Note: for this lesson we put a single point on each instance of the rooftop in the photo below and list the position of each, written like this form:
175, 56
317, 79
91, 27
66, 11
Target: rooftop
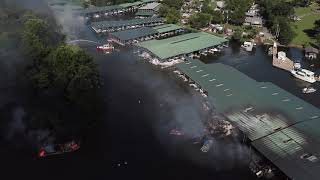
182, 44
144, 13
116, 7
167, 28
134, 33
311, 50
152, 5
110, 24
280, 125
101, 9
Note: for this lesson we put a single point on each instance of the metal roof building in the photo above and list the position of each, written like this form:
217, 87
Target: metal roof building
123, 7
102, 9
127, 36
167, 28
181, 45
130, 34
283, 127
150, 6
125, 24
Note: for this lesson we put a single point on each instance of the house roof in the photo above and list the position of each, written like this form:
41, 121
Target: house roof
311, 50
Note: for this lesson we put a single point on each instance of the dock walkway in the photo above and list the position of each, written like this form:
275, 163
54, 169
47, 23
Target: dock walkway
285, 64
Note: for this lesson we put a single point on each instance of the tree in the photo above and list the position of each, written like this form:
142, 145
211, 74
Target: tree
286, 33
217, 17
67, 71
176, 4
318, 39
237, 35
317, 25
237, 10
173, 16
200, 20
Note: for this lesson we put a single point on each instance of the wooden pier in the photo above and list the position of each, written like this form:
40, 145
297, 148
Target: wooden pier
285, 64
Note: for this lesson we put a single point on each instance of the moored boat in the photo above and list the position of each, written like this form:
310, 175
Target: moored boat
304, 75
308, 90
56, 149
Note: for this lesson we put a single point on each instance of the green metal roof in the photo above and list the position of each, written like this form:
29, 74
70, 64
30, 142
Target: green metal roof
181, 44
101, 9
144, 13
115, 7
134, 33
280, 125
131, 22
167, 28
126, 5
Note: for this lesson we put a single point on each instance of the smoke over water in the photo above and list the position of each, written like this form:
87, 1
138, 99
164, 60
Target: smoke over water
180, 108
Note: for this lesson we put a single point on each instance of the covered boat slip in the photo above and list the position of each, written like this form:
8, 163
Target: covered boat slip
111, 26
128, 36
284, 128
144, 33
181, 45
116, 8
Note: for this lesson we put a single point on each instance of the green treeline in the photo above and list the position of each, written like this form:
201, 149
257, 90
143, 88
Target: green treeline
63, 79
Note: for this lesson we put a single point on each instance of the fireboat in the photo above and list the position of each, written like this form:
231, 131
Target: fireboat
106, 48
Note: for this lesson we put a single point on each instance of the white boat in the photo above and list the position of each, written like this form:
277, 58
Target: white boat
248, 46
307, 90
304, 75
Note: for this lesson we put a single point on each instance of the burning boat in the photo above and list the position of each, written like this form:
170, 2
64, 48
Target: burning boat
56, 149
106, 48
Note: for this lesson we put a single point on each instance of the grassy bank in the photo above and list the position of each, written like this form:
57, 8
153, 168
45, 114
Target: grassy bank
303, 28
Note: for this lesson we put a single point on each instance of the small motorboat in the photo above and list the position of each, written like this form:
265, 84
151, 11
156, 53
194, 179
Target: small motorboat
308, 90
106, 48
56, 149
176, 132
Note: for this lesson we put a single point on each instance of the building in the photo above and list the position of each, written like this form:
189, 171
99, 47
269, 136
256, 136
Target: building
132, 36
111, 26
148, 10
281, 126
96, 12
253, 21
181, 45
311, 52
220, 5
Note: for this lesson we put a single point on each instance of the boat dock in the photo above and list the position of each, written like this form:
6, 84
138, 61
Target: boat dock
132, 36
281, 62
96, 12
189, 44
112, 26
281, 126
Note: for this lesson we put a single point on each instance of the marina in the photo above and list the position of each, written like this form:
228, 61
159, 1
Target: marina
276, 111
